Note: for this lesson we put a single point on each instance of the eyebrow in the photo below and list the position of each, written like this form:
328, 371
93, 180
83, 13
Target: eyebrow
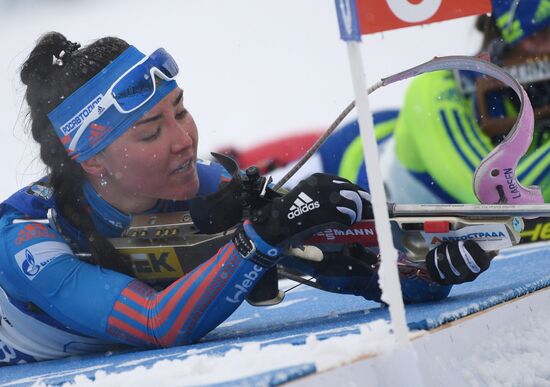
178, 99
156, 117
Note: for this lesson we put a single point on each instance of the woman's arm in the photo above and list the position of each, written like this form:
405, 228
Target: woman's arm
189, 308
101, 303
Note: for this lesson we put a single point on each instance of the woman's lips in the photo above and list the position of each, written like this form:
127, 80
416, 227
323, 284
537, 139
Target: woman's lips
184, 167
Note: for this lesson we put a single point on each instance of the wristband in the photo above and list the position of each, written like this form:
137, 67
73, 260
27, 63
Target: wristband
250, 246
244, 246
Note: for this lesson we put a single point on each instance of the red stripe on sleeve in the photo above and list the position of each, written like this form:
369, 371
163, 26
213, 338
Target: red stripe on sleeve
132, 313
146, 303
172, 334
152, 322
149, 303
133, 331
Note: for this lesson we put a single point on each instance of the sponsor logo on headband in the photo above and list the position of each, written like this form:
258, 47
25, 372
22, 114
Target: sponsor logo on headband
75, 122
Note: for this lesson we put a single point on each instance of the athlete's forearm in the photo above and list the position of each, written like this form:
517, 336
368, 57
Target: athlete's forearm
188, 309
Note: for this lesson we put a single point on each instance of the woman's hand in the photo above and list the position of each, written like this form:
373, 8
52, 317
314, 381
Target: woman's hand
316, 202
453, 263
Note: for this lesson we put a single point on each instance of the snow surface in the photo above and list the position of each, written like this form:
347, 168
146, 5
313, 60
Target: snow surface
508, 350
374, 338
328, 316
518, 357
251, 70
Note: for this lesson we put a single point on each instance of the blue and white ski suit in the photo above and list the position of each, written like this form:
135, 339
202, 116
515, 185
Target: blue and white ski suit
53, 304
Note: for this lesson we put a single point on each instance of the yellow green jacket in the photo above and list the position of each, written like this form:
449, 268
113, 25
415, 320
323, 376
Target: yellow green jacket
437, 145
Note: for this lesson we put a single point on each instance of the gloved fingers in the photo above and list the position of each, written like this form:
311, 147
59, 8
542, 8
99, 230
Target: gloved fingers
461, 263
327, 180
481, 258
361, 199
361, 207
468, 259
472, 259
351, 214
335, 178
457, 262
355, 213
341, 181
364, 195
353, 187
367, 205
436, 262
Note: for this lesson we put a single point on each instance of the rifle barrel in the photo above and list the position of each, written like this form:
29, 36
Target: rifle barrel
526, 210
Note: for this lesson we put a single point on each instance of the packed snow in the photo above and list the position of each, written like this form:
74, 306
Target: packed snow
375, 338
519, 357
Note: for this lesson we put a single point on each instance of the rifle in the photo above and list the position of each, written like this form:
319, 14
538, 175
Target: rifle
159, 244
166, 246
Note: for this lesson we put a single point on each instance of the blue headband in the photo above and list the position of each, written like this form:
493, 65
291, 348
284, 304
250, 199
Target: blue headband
520, 19
110, 123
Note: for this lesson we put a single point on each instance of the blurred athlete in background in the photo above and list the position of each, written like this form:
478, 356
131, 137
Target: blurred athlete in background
449, 120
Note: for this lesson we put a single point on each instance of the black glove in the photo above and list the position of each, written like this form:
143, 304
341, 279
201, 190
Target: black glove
453, 263
319, 201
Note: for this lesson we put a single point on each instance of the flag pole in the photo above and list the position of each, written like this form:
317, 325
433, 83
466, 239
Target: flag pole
388, 273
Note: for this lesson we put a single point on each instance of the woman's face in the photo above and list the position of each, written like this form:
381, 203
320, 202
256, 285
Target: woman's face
156, 158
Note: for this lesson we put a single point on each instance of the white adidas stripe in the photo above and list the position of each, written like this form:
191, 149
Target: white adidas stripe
304, 197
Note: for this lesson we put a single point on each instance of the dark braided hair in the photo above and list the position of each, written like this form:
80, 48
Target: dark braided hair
56, 68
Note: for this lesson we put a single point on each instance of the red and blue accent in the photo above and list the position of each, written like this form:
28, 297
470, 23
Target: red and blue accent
142, 316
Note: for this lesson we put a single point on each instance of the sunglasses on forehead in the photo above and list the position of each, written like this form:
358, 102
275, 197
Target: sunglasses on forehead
133, 89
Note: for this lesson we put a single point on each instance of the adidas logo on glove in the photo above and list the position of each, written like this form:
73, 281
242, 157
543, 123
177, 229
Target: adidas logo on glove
302, 204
